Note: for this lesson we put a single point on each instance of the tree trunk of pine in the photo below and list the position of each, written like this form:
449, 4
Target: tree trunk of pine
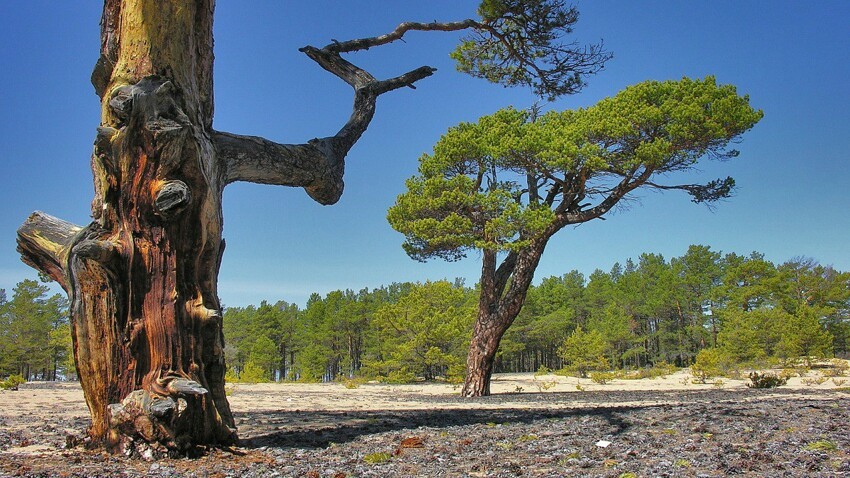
145, 312
497, 309
486, 336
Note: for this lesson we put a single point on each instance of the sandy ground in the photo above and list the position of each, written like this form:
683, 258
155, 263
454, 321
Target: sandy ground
551, 426
63, 403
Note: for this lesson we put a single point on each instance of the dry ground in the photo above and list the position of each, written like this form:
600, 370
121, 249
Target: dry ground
543, 426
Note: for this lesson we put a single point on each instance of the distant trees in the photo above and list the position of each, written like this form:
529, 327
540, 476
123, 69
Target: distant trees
424, 334
668, 311
35, 337
644, 312
398, 332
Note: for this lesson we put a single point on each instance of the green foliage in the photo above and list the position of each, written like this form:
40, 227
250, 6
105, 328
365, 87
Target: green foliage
543, 370
602, 378
765, 380
837, 368
35, 338
708, 364
253, 373
750, 336
424, 334
584, 351
12, 382
804, 336
468, 194
517, 42
263, 356
821, 445
377, 458
653, 315
231, 375
267, 335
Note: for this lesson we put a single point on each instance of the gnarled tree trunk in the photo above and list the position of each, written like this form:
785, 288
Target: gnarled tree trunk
503, 291
142, 277
146, 317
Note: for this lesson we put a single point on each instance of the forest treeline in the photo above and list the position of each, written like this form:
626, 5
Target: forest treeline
638, 314
35, 336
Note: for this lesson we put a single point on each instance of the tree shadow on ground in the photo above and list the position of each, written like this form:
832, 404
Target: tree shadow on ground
318, 429
321, 429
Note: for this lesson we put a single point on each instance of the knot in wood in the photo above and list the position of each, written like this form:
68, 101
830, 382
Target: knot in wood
121, 102
172, 198
153, 100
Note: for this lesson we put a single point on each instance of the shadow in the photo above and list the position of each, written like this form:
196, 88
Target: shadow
321, 429
618, 411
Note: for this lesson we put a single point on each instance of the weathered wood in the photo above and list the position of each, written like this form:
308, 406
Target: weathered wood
146, 319
142, 278
317, 166
44, 243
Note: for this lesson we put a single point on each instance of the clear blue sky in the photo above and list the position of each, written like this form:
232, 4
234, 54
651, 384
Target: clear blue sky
792, 58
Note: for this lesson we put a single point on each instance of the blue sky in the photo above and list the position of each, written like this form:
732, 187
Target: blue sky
791, 58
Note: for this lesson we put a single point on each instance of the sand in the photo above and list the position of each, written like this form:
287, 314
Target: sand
531, 426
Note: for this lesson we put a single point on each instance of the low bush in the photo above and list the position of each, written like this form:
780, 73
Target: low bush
602, 377
707, 365
836, 368
765, 380
660, 369
12, 382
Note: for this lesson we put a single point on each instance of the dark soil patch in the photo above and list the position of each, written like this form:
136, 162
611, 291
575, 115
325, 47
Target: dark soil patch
650, 434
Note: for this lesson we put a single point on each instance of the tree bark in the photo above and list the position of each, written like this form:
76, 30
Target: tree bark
142, 277
503, 291
145, 312
481, 358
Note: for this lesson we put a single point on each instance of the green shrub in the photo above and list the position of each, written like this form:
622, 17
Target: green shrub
351, 383
765, 380
253, 373
660, 369
707, 365
456, 373
602, 377
543, 370
231, 375
584, 352
376, 458
837, 368
401, 376
12, 382
821, 445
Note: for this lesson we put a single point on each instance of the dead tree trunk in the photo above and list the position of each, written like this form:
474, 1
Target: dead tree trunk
142, 277
146, 318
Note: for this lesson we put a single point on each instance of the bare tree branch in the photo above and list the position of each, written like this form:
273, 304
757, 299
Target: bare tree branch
398, 33
44, 243
318, 165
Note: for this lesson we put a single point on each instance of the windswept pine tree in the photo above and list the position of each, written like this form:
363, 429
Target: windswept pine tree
508, 183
